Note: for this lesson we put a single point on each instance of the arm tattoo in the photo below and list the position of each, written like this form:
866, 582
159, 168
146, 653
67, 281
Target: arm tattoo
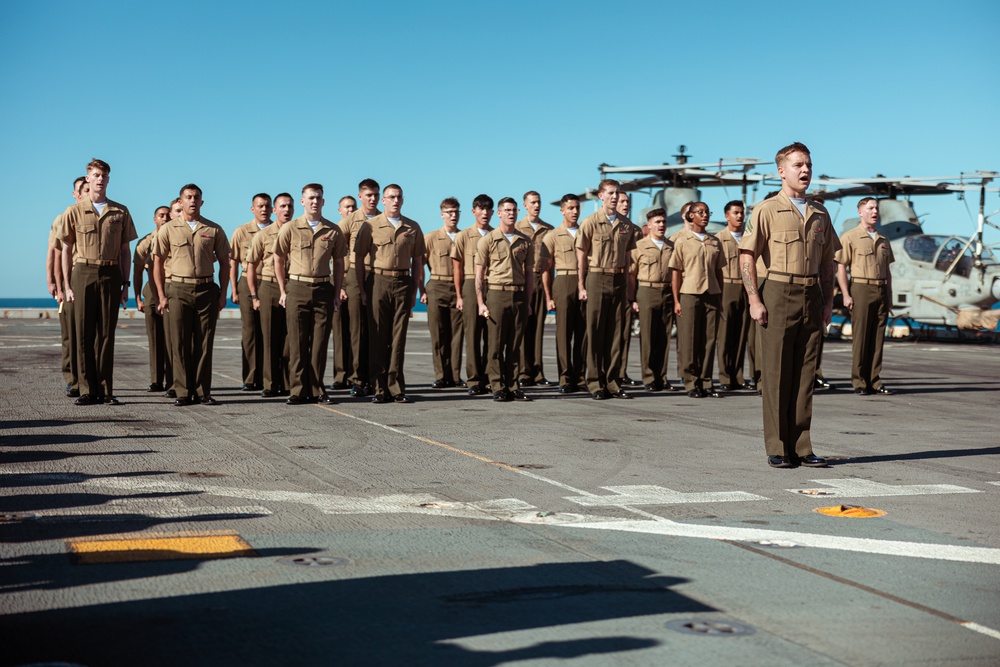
827, 275
479, 287
749, 280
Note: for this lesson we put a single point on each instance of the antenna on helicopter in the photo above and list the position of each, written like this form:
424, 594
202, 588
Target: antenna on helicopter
681, 157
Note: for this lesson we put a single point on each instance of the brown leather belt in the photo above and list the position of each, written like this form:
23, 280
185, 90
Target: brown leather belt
441, 277
314, 280
792, 279
267, 279
97, 262
189, 281
507, 288
567, 272
732, 281
395, 273
646, 283
599, 269
870, 281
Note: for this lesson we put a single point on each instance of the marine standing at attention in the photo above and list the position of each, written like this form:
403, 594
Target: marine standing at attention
795, 237
394, 246
444, 319
867, 255
559, 252
263, 284
531, 371
639, 232
342, 358
161, 374
251, 335
54, 277
654, 300
735, 324
603, 247
697, 277
311, 244
191, 244
358, 283
507, 257
95, 234
463, 256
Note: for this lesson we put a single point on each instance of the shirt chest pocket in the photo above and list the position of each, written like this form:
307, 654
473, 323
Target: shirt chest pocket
867, 261
302, 250
786, 251
87, 237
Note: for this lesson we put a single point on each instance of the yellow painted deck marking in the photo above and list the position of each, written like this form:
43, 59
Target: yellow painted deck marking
850, 511
144, 549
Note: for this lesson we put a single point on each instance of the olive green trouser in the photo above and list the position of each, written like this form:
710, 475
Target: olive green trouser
274, 327
446, 327
733, 330
251, 336
508, 312
534, 335
309, 316
98, 291
656, 319
475, 336
696, 332
194, 311
605, 295
869, 317
390, 309
160, 370
571, 331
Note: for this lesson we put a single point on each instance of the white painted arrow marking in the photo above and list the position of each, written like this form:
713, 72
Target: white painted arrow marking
863, 488
642, 494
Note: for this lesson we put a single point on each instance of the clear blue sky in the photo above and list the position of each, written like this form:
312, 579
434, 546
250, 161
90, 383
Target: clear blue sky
454, 99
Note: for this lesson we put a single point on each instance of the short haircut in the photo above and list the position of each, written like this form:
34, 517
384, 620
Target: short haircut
655, 212
76, 183
866, 200
261, 195
99, 164
568, 198
353, 200
608, 184
529, 193
797, 146
368, 184
449, 202
157, 210
482, 201
283, 194
392, 186
684, 209
312, 186
507, 200
176, 201
733, 203
191, 186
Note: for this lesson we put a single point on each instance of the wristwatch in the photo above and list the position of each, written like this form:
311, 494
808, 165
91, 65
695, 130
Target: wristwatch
253, 296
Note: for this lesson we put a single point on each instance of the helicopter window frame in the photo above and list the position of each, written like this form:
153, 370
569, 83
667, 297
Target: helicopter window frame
949, 251
918, 247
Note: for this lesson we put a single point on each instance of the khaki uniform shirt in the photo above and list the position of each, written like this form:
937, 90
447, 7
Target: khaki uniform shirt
507, 262
464, 249
787, 242
651, 264
536, 236
192, 254
97, 238
143, 255
559, 246
262, 252
864, 256
439, 248
391, 248
54, 240
607, 246
700, 262
730, 255
242, 240
350, 227
310, 252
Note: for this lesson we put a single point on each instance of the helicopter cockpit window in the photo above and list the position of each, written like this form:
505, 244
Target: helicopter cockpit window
922, 248
951, 250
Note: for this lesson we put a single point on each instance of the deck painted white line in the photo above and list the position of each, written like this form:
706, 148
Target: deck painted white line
863, 488
658, 495
989, 632
858, 544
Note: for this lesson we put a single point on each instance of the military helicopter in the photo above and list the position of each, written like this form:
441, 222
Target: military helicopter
938, 280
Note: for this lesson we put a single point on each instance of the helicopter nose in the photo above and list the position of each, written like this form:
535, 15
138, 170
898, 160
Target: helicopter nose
996, 289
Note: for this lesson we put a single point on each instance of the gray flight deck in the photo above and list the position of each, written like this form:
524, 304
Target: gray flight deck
459, 531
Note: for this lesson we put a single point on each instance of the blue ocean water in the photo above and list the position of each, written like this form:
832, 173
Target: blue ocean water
48, 302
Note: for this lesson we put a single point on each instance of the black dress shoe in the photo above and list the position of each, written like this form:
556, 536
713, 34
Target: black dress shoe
296, 400
861, 391
884, 390
337, 386
170, 393
461, 383
600, 395
779, 462
86, 399
546, 383
181, 402
711, 393
381, 398
500, 396
269, 393
750, 384
326, 400
439, 384
820, 383
73, 393
519, 396
249, 387
621, 394
669, 387
402, 398
156, 386
477, 391
448, 384
565, 389
812, 461
695, 393
653, 387
527, 382
111, 400
208, 400
357, 391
